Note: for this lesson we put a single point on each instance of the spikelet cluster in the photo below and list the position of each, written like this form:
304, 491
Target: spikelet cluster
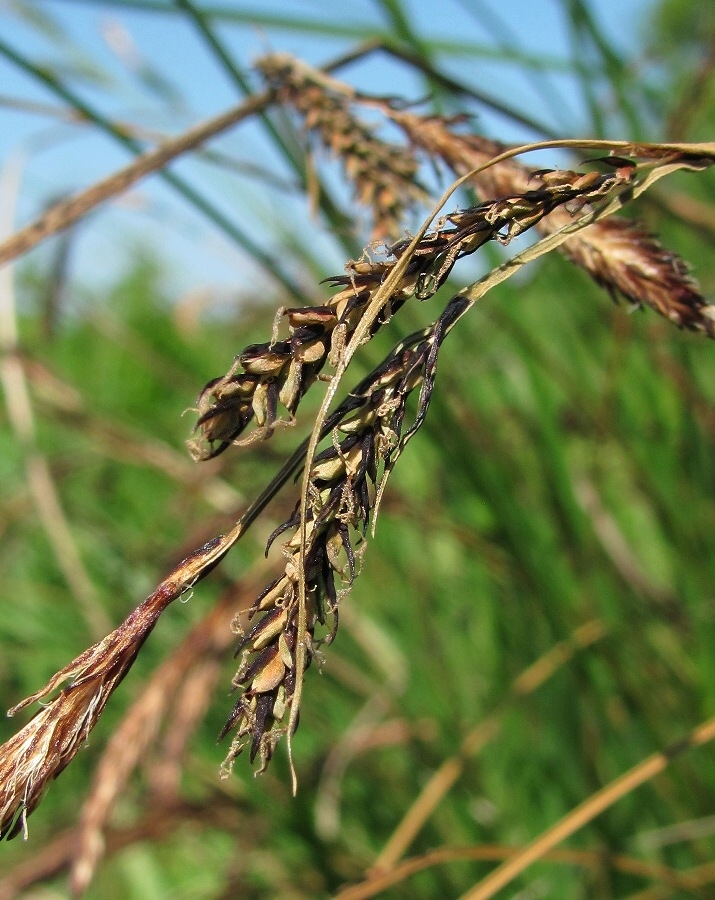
345, 485
384, 174
620, 255
273, 376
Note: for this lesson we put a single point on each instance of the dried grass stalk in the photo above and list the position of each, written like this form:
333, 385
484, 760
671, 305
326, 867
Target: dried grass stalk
160, 821
69, 211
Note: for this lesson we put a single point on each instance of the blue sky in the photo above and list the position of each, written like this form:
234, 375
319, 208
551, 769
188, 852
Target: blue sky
154, 71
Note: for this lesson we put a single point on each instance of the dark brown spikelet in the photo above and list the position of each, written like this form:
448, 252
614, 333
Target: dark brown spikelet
620, 255
384, 174
346, 480
273, 376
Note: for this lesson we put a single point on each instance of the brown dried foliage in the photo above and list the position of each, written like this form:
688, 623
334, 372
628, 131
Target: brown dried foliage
38, 753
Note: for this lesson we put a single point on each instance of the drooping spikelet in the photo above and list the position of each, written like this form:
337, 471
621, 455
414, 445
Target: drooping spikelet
39, 752
268, 376
345, 484
625, 259
622, 256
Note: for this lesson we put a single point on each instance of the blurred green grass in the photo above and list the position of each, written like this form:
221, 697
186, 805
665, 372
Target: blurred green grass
564, 477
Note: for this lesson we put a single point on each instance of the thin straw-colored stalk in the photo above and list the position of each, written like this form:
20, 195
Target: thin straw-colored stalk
69, 211
450, 84
451, 769
702, 876
22, 421
194, 196
593, 860
359, 336
587, 811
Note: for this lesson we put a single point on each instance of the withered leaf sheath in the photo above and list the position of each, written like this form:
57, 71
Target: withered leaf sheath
39, 752
343, 485
270, 376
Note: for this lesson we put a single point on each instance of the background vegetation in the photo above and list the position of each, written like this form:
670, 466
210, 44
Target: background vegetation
536, 614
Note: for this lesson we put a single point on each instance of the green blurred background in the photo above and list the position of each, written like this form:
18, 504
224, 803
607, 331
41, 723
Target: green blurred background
560, 495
